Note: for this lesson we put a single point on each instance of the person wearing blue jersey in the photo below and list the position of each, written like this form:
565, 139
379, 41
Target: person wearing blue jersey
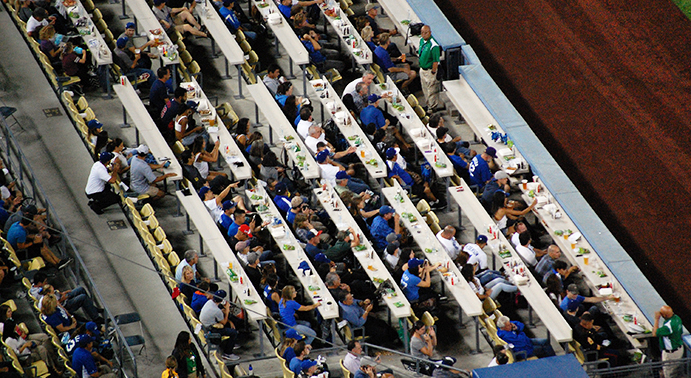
479, 168
397, 72
380, 228
232, 21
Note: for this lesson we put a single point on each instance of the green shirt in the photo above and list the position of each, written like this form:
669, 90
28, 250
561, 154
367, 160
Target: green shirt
669, 333
429, 52
338, 251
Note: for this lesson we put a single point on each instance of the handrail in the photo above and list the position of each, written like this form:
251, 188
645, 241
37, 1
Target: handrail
12, 150
418, 360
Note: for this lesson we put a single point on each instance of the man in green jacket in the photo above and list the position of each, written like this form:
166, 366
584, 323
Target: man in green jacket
669, 334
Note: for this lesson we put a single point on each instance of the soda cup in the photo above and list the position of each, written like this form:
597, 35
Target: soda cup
123, 80
585, 260
362, 153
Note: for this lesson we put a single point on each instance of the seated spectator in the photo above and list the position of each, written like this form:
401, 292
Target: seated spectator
503, 212
296, 206
306, 120
48, 47
273, 78
593, 338
354, 359
253, 271
142, 178
397, 72
214, 202
423, 341
281, 200
312, 248
169, 111
39, 18
324, 59
190, 258
130, 34
227, 217
184, 131
418, 186
158, 94
303, 228
56, 316
130, 62
273, 170
202, 158
287, 308
36, 349
416, 284
72, 300
523, 347
329, 168
476, 254
98, 188
346, 240
460, 165
447, 238
187, 285
367, 34
286, 350
232, 21
216, 319
83, 360
284, 7
436, 122
315, 135
528, 253
574, 301
345, 182
498, 285
179, 18
392, 256
200, 297
357, 314
271, 293
545, 267
285, 90
500, 183
301, 351
500, 356
380, 227
187, 356
371, 114
19, 237
480, 167
75, 64
371, 11
171, 365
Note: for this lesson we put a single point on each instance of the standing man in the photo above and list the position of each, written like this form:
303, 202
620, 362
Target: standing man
669, 334
100, 195
429, 53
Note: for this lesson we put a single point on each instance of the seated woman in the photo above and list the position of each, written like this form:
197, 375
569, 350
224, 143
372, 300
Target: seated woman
492, 289
242, 133
36, 349
183, 130
74, 64
272, 296
48, 47
186, 285
202, 158
286, 348
56, 316
503, 212
287, 308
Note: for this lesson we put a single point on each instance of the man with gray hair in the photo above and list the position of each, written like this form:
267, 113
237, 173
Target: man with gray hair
523, 346
316, 135
191, 258
360, 95
545, 267
447, 238
367, 78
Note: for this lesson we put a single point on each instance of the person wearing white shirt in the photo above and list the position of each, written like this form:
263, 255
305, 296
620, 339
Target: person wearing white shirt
392, 255
328, 167
447, 239
476, 255
520, 228
367, 78
528, 253
316, 135
99, 194
306, 121
213, 202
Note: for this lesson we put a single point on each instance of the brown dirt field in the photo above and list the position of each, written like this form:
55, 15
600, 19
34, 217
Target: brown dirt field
606, 86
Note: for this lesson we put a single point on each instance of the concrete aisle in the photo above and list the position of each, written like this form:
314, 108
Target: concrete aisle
116, 260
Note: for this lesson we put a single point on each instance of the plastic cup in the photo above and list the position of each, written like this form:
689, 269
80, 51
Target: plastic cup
362, 153
212, 122
573, 246
525, 184
566, 237
617, 298
585, 260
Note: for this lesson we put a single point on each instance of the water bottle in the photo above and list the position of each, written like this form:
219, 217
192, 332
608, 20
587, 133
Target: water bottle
251, 370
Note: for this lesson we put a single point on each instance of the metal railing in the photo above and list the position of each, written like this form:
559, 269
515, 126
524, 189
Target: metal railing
18, 165
673, 369
420, 363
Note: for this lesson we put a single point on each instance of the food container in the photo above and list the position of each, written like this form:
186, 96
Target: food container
275, 18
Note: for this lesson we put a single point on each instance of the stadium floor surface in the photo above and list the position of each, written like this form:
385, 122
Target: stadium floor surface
605, 85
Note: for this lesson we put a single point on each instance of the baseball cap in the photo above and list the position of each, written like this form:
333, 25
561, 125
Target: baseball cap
391, 248
296, 202
228, 205
94, 124
93, 327
386, 210
122, 42
130, 25
322, 155
412, 263
390, 153
281, 188
482, 239
83, 340
393, 237
371, 6
30, 209
239, 246
143, 149
306, 364
159, 2
342, 175
203, 191
441, 132
498, 175
245, 228
105, 157
192, 105
227, 2
572, 288
252, 257
321, 258
293, 334
220, 295
373, 98
311, 235
491, 151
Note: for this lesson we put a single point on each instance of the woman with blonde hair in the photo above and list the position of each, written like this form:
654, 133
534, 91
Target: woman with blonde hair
46, 39
287, 307
367, 34
56, 316
171, 365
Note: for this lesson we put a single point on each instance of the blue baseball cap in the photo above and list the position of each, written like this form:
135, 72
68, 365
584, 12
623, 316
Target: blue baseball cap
386, 209
482, 239
342, 175
203, 191
293, 334
122, 42
306, 364
93, 327
322, 155
130, 25
227, 205
373, 98
94, 124
281, 187
390, 153
412, 263
105, 157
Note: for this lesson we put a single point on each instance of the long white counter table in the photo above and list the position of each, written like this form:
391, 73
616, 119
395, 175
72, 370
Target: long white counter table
146, 20
100, 52
147, 128
278, 123
359, 51
368, 258
349, 128
532, 291
283, 33
313, 285
228, 148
